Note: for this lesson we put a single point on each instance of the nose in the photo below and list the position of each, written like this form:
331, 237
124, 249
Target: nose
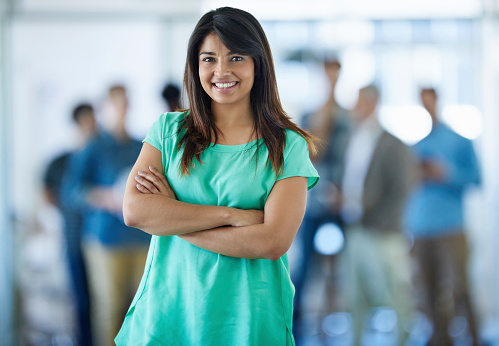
222, 68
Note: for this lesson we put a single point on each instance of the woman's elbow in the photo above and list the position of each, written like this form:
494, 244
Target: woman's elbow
129, 220
275, 250
275, 256
276, 241
130, 213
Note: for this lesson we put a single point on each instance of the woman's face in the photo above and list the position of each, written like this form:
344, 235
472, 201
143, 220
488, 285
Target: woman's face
226, 76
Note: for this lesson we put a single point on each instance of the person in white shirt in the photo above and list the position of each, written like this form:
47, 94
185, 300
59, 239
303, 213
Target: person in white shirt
376, 182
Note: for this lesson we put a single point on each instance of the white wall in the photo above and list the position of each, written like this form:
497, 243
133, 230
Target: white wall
58, 64
6, 265
490, 144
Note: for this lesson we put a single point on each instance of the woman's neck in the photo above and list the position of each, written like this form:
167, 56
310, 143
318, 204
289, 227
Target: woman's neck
235, 123
232, 115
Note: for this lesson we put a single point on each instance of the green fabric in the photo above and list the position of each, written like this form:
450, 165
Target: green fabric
190, 296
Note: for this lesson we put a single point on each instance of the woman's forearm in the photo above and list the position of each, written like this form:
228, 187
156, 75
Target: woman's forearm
159, 215
252, 242
150, 204
269, 239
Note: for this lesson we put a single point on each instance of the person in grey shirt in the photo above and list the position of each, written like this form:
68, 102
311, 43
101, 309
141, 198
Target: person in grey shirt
377, 178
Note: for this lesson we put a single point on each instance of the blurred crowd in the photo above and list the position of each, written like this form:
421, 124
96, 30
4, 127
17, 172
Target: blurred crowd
105, 257
398, 209
400, 212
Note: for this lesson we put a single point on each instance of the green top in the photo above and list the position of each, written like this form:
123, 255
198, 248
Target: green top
191, 296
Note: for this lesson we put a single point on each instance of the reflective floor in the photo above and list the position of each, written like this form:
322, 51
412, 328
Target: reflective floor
335, 329
47, 310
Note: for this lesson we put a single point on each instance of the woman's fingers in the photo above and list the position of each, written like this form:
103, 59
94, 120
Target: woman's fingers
142, 189
158, 182
155, 182
167, 188
159, 176
146, 182
247, 217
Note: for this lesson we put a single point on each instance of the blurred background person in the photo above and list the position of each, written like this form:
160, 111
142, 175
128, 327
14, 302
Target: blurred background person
114, 253
84, 118
434, 216
171, 96
330, 125
376, 181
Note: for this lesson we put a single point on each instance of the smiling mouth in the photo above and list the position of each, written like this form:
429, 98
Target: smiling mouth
225, 85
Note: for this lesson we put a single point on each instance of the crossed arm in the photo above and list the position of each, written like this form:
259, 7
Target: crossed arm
150, 204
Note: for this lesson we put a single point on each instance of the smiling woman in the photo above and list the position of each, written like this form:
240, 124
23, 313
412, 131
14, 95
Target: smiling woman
240, 36
225, 76
222, 188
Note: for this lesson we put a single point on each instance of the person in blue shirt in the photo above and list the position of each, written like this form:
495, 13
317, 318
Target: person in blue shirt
434, 216
114, 253
84, 118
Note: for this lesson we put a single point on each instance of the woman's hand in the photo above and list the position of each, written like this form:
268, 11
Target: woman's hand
241, 217
154, 182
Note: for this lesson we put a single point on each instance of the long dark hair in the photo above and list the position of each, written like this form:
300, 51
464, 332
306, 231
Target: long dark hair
240, 32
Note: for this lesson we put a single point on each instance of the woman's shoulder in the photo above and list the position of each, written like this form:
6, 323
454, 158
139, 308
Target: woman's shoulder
170, 122
295, 145
293, 138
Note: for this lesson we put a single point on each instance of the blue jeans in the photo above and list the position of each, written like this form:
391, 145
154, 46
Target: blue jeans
77, 277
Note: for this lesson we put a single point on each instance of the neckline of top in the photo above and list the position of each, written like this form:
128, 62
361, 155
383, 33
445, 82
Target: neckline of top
234, 148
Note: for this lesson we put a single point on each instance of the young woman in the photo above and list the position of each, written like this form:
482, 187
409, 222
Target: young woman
222, 189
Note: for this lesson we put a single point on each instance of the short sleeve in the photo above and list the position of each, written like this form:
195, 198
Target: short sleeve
155, 135
167, 126
297, 160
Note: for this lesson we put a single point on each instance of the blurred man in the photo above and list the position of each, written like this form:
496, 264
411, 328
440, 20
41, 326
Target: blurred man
434, 215
331, 125
171, 96
114, 253
84, 118
376, 181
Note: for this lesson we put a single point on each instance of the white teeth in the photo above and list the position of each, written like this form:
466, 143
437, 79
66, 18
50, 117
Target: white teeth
225, 85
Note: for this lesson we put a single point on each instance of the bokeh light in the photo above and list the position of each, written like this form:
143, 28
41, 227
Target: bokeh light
409, 123
466, 120
329, 239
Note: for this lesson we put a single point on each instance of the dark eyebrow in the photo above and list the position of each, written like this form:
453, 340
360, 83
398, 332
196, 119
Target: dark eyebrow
211, 53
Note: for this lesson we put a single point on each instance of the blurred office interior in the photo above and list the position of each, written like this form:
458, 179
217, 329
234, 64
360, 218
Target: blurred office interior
55, 54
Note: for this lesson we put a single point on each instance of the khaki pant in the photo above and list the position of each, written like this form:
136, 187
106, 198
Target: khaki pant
114, 276
443, 284
377, 274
